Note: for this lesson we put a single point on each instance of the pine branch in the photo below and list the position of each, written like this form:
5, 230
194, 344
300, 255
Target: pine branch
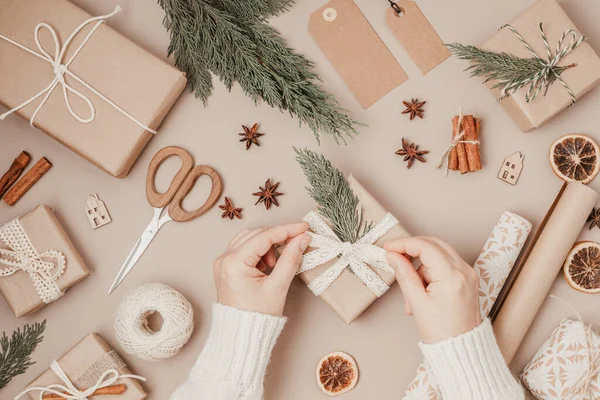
510, 72
205, 37
253, 9
15, 354
337, 202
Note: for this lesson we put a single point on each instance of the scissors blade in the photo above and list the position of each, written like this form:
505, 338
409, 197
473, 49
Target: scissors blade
140, 246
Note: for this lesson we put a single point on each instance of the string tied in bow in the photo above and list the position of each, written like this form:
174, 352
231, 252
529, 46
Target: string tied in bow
359, 257
68, 389
455, 142
43, 268
550, 71
60, 69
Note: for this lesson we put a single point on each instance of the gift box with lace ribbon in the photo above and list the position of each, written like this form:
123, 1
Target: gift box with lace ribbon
38, 261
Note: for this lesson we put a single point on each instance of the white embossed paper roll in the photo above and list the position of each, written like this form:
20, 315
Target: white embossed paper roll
493, 265
552, 243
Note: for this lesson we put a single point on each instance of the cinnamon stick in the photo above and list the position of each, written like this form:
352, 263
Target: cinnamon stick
453, 156
27, 181
463, 164
114, 389
471, 150
14, 172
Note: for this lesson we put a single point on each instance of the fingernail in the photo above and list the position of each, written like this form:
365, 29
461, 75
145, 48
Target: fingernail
305, 242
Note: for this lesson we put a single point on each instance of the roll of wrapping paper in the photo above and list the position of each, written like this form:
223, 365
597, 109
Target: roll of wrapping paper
531, 280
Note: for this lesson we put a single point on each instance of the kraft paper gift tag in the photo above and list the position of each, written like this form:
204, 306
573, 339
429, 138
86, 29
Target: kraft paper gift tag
356, 51
416, 35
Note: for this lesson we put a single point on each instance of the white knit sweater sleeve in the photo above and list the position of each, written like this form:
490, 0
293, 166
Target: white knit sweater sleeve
471, 367
234, 360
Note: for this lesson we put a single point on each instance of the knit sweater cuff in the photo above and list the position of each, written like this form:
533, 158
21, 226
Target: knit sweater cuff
470, 366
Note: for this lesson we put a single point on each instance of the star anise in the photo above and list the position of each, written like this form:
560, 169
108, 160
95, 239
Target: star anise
229, 211
268, 194
594, 218
414, 108
251, 135
411, 152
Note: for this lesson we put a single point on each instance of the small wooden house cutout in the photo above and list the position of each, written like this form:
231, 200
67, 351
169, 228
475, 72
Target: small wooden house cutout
96, 211
511, 168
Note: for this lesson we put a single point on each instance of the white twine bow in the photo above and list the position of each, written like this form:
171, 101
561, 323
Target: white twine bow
61, 69
69, 391
455, 142
43, 269
359, 256
544, 78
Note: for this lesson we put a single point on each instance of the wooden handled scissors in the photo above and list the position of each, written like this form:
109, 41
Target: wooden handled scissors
180, 186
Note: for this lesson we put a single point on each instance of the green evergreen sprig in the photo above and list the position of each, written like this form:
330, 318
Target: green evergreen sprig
337, 202
234, 42
15, 353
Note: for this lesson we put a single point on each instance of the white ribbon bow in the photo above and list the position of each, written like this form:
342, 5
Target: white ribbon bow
359, 256
43, 269
61, 69
69, 391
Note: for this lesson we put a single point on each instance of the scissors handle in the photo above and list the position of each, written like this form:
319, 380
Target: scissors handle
176, 210
155, 198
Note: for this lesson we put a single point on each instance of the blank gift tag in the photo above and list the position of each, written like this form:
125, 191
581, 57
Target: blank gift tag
417, 36
356, 51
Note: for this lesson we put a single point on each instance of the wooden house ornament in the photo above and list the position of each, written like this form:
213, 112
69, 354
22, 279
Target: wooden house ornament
511, 168
96, 211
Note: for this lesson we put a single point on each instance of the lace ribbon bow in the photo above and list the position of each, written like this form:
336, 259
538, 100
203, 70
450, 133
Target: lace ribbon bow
43, 269
61, 69
69, 391
544, 78
359, 256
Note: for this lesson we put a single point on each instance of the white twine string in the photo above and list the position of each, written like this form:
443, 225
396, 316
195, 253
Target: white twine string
69, 391
21, 255
455, 142
359, 256
61, 69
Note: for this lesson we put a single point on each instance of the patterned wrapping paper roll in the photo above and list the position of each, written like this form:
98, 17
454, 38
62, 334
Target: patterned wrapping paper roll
493, 265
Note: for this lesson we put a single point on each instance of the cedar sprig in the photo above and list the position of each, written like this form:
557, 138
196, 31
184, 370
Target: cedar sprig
215, 36
15, 353
510, 72
337, 202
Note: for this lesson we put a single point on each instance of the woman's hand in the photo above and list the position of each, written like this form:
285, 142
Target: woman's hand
443, 294
239, 275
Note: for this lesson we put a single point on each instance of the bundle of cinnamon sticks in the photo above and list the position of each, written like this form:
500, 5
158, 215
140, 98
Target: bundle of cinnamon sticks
12, 194
465, 156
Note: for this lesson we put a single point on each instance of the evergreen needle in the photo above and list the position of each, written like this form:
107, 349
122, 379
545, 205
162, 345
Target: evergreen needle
15, 353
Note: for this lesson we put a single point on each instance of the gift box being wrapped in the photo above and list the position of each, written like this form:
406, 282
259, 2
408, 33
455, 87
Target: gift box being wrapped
350, 277
102, 97
567, 366
578, 80
92, 365
38, 261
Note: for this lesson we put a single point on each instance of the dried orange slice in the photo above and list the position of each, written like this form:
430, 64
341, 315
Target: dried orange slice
582, 267
337, 373
575, 158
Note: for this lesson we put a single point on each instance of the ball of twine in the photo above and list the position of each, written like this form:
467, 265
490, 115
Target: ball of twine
134, 322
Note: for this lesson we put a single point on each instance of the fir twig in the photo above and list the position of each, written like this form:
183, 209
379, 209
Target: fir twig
15, 353
237, 45
337, 202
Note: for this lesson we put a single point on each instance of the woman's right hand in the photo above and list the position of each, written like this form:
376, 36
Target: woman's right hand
443, 294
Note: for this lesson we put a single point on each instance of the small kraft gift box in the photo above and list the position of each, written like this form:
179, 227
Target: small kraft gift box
82, 83
91, 368
38, 261
524, 38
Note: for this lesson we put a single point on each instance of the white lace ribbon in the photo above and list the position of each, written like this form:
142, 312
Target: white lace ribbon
69, 391
43, 269
61, 69
359, 256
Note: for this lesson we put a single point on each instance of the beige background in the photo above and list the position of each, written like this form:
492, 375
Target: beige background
460, 209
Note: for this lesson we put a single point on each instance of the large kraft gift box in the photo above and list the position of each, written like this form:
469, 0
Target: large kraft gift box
348, 296
580, 79
84, 364
139, 83
45, 233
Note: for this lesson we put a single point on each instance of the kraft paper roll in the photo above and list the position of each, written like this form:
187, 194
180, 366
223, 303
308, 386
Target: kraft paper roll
541, 264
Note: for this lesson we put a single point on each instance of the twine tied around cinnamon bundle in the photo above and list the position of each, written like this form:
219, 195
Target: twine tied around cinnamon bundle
455, 142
